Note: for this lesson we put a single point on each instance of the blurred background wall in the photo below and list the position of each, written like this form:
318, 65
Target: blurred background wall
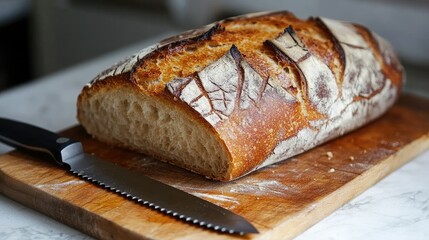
43, 36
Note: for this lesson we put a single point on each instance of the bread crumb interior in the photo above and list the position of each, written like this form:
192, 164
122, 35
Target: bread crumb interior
141, 123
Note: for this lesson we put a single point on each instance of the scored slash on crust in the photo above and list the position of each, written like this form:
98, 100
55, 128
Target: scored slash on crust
153, 206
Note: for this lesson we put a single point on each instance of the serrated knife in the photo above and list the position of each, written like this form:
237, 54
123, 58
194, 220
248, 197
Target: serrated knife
69, 154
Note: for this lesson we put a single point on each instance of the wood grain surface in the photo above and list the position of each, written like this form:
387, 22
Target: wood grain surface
281, 200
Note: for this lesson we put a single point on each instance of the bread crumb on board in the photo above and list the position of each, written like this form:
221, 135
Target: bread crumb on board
330, 155
352, 158
331, 170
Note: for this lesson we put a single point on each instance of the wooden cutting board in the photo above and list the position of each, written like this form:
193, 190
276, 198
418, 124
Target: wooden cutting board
281, 200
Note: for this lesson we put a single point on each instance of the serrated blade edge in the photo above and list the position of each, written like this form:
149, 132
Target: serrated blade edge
158, 196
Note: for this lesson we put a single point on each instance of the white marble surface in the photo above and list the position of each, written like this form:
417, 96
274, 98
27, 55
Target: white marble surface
395, 208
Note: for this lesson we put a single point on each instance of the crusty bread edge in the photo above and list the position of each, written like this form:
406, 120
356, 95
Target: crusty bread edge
123, 81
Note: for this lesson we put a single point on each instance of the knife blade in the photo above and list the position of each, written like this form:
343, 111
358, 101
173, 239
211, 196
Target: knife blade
69, 154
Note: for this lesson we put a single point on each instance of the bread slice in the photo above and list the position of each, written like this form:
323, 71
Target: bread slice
243, 93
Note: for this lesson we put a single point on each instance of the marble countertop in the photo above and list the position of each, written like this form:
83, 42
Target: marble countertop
395, 208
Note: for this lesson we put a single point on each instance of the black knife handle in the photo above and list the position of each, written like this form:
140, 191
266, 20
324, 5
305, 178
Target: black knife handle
34, 139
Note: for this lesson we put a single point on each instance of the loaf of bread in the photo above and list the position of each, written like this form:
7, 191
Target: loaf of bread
243, 93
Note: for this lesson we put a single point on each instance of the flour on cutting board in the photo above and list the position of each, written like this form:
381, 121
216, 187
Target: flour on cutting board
258, 187
218, 197
229, 193
59, 186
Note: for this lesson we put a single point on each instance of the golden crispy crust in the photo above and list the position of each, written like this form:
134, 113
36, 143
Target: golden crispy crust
269, 86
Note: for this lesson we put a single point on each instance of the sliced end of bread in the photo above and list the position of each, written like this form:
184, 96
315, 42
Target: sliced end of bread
152, 126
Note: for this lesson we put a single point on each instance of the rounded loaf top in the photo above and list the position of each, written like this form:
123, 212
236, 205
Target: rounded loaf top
267, 85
